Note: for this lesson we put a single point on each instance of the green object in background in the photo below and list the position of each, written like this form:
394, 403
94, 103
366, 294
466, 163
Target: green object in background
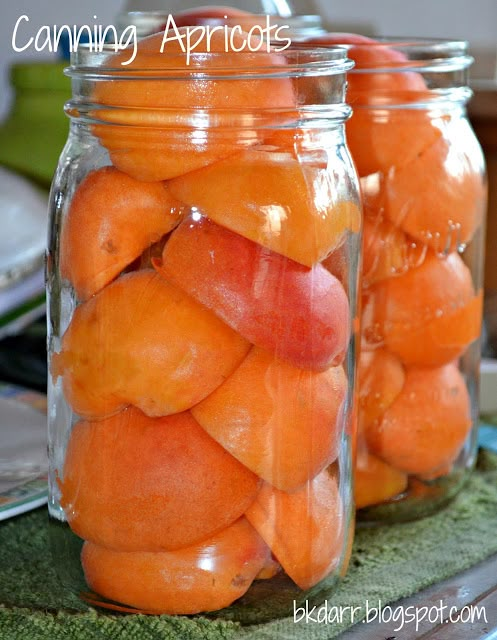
36, 129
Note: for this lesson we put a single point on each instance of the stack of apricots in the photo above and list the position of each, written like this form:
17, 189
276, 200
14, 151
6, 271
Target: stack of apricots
422, 179
205, 361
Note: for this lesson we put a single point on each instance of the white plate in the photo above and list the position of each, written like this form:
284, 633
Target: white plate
24, 227
23, 457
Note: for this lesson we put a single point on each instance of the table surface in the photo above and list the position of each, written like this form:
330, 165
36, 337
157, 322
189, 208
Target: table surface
476, 587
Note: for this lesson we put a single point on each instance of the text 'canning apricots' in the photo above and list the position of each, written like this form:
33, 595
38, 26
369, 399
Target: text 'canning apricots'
134, 483
283, 423
426, 426
111, 221
298, 313
161, 140
273, 200
142, 341
205, 577
303, 529
429, 315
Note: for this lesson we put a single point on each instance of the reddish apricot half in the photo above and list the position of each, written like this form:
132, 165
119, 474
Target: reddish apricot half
272, 200
375, 481
283, 423
160, 140
136, 483
387, 251
112, 219
428, 316
439, 196
381, 380
304, 529
425, 428
298, 313
204, 577
144, 342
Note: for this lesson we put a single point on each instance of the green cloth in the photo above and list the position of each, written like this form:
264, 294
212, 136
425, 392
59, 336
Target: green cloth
388, 563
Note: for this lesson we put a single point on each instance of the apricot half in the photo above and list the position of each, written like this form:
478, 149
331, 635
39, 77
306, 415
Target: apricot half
439, 196
387, 251
304, 529
298, 313
283, 423
426, 426
271, 199
204, 577
428, 316
375, 481
142, 341
381, 380
135, 483
162, 138
111, 220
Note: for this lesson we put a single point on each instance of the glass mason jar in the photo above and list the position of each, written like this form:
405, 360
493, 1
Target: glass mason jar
424, 194
202, 283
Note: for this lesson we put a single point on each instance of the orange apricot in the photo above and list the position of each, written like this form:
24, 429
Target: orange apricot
439, 196
428, 316
375, 481
135, 483
383, 139
387, 251
160, 139
426, 426
204, 577
144, 342
111, 220
298, 313
373, 55
303, 529
282, 422
272, 200
381, 378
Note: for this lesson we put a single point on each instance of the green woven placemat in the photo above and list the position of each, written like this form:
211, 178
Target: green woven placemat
388, 563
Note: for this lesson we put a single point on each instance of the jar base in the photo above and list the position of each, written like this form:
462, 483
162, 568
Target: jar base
420, 500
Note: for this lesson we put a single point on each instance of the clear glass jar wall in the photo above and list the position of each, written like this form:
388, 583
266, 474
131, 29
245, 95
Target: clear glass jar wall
424, 194
202, 283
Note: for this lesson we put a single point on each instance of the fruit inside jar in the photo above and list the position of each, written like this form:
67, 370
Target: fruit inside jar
202, 344
424, 193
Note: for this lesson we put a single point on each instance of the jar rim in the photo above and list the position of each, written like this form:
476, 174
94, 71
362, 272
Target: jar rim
419, 54
299, 60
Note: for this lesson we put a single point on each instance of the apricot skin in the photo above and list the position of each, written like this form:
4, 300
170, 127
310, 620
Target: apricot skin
282, 422
304, 529
425, 428
133, 483
273, 201
143, 342
299, 314
204, 577
112, 220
